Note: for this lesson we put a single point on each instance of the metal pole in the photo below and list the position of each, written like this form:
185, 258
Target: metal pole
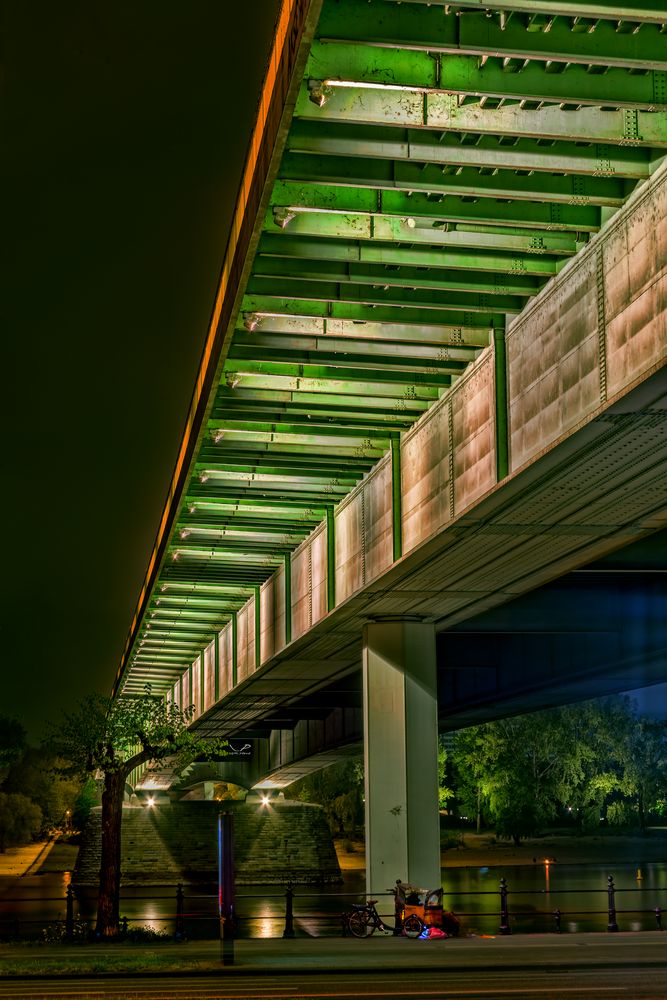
179, 931
69, 914
226, 886
557, 916
289, 912
504, 913
658, 917
611, 895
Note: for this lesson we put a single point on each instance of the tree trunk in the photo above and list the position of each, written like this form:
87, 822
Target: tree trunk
108, 902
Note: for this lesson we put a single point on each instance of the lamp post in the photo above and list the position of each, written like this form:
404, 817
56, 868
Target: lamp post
226, 886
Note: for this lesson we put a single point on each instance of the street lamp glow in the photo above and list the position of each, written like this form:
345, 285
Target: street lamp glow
150, 801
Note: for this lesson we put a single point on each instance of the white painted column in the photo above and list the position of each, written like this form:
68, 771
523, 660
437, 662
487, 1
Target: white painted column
401, 755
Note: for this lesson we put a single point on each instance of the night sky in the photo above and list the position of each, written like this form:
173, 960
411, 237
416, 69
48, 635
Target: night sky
124, 127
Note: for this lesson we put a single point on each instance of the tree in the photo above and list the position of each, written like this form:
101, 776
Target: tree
20, 820
40, 776
644, 760
339, 789
12, 744
113, 738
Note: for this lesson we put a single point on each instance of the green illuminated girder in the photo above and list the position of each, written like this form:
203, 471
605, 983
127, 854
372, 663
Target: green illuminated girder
159, 612
314, 354
283, 246
216, 606
430, 29
394, 68
287, 452
311, 467
369, 313
485, 151
329, 387
467, 182
232, 549
365, 296
446, 113
281, 507
649, 11
337, 439
323, 326
381, 417
401, 277
402, 372
265, 534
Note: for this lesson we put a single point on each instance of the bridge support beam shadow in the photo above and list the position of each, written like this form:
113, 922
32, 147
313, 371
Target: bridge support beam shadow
401, 755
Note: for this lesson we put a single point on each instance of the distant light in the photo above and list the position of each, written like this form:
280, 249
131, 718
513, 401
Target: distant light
150, 802
265, 800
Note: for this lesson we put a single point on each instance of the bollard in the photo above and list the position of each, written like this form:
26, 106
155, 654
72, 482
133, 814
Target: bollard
69, 914
179, 931
557, 916
611, 894
658, 917
504, 913
289, 912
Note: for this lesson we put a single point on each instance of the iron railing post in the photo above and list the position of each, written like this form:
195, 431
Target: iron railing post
69, 914
289, 912
611, 904
504, 912
179, 930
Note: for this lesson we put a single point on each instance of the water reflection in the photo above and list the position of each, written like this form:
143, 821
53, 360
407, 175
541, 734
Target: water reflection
536, 892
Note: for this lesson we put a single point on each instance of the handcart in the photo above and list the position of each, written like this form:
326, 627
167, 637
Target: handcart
417, 909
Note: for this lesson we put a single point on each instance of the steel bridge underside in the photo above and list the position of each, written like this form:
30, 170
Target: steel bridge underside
410, 401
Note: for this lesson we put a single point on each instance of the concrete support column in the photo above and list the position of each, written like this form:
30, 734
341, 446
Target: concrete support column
401, 755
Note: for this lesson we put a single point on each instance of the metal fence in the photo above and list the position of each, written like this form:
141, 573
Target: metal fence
186, 913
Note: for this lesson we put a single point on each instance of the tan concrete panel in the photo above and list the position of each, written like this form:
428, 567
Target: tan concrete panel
196, 687
635, 259
225, 659
301, 590
176, 694
278, 582
244, 633
209, 675
350, 572
474, 434
267, 619
186, 700
318, 556
425, 480
553, 364
379, 553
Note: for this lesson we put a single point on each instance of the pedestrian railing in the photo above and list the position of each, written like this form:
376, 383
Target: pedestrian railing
294, 909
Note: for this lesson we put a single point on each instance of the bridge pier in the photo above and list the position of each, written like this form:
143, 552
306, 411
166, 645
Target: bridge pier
400, 750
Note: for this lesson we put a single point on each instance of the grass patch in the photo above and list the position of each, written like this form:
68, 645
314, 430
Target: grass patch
96, 964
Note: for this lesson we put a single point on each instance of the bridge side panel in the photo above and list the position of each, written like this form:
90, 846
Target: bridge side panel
318, 557
473, 433
552, 363
225, 659
246, 639
209, 675
378, 550
635, 261
272, 616
425, 476
594, 331
350, 528
302, 589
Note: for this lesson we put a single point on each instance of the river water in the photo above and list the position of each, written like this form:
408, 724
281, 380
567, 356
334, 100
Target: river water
579, 892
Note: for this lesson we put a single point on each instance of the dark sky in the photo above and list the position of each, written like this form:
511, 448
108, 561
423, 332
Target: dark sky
124, 127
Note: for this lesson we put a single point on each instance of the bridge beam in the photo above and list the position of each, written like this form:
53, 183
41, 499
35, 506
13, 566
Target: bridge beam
400, 751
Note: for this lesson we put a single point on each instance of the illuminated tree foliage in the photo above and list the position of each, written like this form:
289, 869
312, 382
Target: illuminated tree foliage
112, 738
582, 761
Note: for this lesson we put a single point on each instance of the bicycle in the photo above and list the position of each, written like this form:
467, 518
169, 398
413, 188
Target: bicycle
363, 919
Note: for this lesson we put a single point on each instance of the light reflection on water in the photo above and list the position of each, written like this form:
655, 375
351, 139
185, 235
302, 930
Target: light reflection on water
536, 891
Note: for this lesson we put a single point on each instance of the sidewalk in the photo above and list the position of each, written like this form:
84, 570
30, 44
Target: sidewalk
17, 861
329, 955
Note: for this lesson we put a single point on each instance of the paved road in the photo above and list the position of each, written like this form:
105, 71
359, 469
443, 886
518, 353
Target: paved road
577, 984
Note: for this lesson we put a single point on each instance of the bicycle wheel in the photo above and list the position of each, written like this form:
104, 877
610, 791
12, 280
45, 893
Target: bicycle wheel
413, 926
359, 925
